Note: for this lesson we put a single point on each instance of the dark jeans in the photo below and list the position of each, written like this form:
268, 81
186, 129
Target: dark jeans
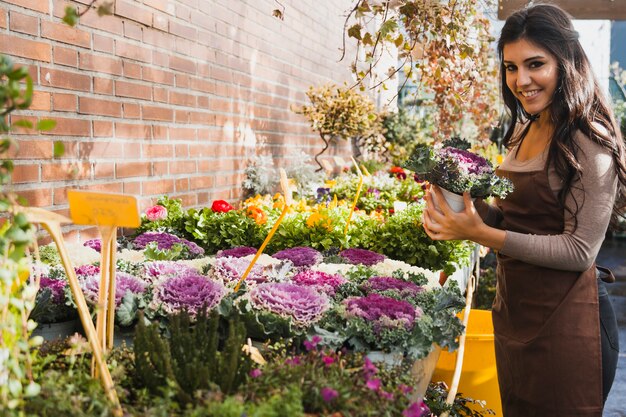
609, 337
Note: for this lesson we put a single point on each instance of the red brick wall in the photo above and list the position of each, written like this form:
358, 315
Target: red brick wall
167, 96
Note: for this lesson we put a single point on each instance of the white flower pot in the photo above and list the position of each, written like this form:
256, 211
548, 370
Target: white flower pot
455, 201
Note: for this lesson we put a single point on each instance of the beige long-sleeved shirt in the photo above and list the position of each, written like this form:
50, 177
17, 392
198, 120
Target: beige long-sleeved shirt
572, 250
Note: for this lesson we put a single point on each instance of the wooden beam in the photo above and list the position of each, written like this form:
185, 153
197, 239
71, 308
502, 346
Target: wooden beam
579, 9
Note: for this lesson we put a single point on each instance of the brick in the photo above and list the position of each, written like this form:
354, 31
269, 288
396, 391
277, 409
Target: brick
60, 197
103, 44
181, 184
70, 150
111, 24
99, 107
65, 56
3, 19
131, 70
157, 187
30, 149
162, 5
157, 38
114, 187
132, 12
131, 110
181, 116
160, 132
159, 168
24, 48
103, 86
64, 102
65, 79
197, 183
160, 22
37, 5
131, 51
160, 95
183, 12
157, 151
63, 33
157, 76
38, 197
71, 127
133, 31
160, 59
133, 90
157, 113
181, 151
23, 23
65, 171
182, 133
132, 169
103, 170
97, 150
102, 128
182, 99
132, 150
183, 167
25, 173
100, 63
41, 101
183, 30
182, 81
132, 131
132, 188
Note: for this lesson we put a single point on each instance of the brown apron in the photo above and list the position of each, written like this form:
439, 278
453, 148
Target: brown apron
546, 321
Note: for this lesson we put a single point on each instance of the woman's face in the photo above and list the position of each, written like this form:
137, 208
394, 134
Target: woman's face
531, 74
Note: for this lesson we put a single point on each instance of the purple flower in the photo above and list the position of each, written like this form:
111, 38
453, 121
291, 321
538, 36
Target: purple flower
405, 389
416, 410
328, 360
373, 384
361, 256
376, 191
85, 270
158, 269
328, 394
303, 305
467, 161
123, 283
386, 395
293, 361
165, 241
322, 281
95, 244
231, 269
369, 368
312, 344
300, 256
382, 312
255, 373
56, 287
380, 284
189, 291
236, 252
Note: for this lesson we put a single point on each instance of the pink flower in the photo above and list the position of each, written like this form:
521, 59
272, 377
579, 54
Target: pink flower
405, 389
386, 395
255, 373
328, 360
293, 361
369, 368
155, 213
373, 384
328, 394
416, 410
312, 344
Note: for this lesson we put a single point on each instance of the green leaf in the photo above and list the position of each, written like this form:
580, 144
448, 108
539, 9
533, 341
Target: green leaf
46, 124
59, 149
389, 26
355, 31
23, 123
71, 16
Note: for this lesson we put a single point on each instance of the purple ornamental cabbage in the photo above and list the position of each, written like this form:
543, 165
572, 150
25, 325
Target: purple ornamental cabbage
86, 270
322, 281
361, 256
165, 241
300, 256
95, 244
303, 305
158, 269
190, 292
467, 161
231, 269
56, 287
236, 252
403, 287
123, 283
382, 312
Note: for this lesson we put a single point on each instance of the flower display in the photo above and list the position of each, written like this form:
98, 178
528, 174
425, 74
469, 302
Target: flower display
382, 312
236, 252
322, 281
123, 283
458, 171
300, 256
56, 287
158, 269
361, 256
257, 214
229, 270
85, 270
189, 292
165, 241
95, 244
156, 212
221, 206
402, 287
303, 305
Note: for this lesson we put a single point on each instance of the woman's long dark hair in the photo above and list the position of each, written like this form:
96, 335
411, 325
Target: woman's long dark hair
578, 103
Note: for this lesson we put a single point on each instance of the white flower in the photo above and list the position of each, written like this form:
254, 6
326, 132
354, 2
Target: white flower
199, 263
128, 255
388, 266
82, 255
340, 269
264, 260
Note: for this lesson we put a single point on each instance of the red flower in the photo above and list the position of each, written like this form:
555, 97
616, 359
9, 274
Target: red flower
221, 206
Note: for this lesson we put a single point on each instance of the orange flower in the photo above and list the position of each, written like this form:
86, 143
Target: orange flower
317, 219
257, 214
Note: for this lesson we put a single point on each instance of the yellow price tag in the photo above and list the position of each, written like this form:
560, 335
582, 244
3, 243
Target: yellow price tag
103, 209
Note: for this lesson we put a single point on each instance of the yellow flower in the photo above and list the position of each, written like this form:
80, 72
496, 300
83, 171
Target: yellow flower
317, 219
330, 183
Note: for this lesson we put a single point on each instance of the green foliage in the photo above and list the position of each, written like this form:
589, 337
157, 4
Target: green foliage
194, 358
215, 231
403, 238
402, 131
175, 252
174, 222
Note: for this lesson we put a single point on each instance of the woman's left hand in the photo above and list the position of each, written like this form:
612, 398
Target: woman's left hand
442, 223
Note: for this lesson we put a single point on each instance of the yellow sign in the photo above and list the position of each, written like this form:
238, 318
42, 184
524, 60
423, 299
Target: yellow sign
87, 207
